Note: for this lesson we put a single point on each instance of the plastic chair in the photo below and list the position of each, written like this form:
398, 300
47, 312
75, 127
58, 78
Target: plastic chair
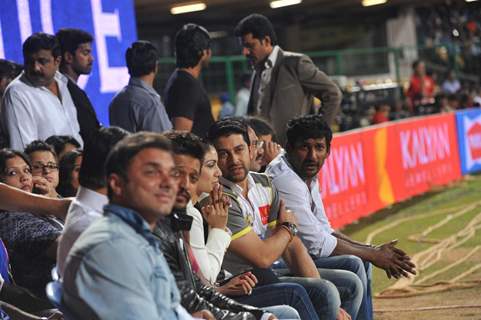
54, 293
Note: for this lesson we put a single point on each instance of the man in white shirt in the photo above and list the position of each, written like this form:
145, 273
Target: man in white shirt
92, 193
295, 175
37, 104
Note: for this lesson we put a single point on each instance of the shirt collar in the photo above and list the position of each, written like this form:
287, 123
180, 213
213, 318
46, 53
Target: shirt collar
272, 59
288, 166
137, 82
235, 187
134, 220
94, 200
60, 78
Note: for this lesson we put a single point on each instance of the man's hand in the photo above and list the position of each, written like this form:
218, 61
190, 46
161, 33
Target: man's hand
271, 150
285, 215
40, 185
394, 261
343, 315
239, 285
216, 213
203, 314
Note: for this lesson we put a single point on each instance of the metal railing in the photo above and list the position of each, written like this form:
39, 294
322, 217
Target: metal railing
223, 73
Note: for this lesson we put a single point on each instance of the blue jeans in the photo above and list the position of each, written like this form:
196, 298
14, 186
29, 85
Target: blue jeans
275, 294
339, 288
362, 269
324, 295
284, 312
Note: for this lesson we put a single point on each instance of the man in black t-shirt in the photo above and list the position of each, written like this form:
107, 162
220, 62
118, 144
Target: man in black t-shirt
185, 98
77, 59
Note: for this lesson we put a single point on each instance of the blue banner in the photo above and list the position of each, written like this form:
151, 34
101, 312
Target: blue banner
469, 139
111, 22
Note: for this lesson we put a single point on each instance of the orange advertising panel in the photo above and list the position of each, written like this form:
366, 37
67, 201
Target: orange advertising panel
372, 168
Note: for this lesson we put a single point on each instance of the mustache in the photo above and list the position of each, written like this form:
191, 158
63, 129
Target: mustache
184, 192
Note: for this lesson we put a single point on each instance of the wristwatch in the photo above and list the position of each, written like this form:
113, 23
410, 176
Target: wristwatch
291, 227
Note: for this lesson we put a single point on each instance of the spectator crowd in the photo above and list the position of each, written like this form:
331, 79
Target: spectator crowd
168, 213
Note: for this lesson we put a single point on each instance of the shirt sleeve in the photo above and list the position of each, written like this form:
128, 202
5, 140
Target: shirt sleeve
211, 254
19, 120
154, 118
318, 83
236, 222
315, 237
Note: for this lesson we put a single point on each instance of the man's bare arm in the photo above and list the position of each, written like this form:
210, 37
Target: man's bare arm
261, 253
342, 236
182, 124
299, 261
13, 199
387, 257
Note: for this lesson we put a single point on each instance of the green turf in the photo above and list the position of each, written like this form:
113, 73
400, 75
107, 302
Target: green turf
452, 197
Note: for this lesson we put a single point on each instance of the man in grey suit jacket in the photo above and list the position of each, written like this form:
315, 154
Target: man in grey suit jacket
284, 83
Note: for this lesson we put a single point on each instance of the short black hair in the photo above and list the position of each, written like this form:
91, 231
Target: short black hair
307, 127
41, 41
190, 42
70, 39
261, 126
39, 145
258, 25
416, 63
119, 158
227, 127
92, 172
7, 154
187, 143
59, 142
65, 168
141, 58
9, 69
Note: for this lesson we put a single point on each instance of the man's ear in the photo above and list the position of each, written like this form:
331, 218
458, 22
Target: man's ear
252, 152
267, 40
67, 57
116, 184
57, 60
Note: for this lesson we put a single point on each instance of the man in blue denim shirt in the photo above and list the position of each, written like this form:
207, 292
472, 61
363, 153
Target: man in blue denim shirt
115, 270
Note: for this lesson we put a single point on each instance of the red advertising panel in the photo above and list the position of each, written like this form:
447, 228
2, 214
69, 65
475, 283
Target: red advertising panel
427, 154
343, 180
372, 168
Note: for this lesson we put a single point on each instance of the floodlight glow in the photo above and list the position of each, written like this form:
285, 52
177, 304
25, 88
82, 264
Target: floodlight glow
471, 0
284, 3
192, 7
367, 3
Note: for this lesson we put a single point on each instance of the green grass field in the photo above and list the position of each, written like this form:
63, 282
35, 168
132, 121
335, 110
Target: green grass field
428, 210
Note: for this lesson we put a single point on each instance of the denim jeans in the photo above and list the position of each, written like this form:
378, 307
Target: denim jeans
290, 294
323, 294
339, 288
362, 269
284, 312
